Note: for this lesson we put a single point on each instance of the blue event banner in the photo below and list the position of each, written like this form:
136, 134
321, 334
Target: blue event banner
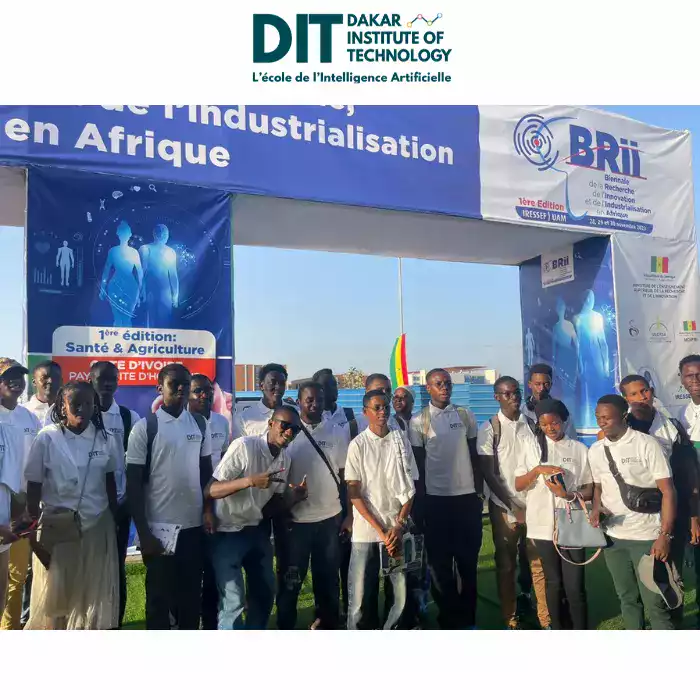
415, 158
132, 272
572, 327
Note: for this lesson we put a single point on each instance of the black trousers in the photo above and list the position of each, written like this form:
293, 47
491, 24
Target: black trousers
453, 530
174, 583
210, 593
565, 586
318, 544
123, 524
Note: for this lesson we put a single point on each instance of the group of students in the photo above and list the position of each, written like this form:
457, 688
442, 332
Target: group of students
248, 508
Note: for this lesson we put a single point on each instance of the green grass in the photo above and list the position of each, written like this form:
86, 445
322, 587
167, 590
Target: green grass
603, 606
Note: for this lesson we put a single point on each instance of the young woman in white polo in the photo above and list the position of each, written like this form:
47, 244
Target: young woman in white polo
549, 485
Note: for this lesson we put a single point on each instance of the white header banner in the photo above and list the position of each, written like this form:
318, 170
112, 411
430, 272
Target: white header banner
582, 169
657, 292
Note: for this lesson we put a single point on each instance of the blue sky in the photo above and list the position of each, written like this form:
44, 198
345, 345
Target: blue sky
313, 309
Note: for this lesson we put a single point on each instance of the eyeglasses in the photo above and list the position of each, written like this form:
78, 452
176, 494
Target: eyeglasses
287, 427
509, 394
379, 409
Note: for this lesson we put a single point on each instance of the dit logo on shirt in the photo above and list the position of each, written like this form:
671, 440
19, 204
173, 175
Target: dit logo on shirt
96, 453
631, 460
194, 437
216, 436
456, 426
29, 431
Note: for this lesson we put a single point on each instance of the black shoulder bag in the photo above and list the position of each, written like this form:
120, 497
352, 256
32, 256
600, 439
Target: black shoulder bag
637, 498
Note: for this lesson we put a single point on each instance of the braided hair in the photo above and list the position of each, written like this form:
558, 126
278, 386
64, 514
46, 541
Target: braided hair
58, 411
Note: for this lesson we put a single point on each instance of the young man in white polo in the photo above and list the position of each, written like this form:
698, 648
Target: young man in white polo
118, 421
381, 473
540, 385
637, 460
444, 440
318, 454
19, 427
47, 379
503, 441
250, 485
200, 402
253, 418
165, 486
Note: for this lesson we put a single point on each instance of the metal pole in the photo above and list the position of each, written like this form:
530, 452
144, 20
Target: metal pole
400, 296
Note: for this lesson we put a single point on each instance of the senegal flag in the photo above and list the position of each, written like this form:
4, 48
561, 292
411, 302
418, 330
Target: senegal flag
397, 363
659, 265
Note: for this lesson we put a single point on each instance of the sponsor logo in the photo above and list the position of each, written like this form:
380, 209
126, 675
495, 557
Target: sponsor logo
658, 332
547, 147
689, 331
633, 330
194, 437
681, 394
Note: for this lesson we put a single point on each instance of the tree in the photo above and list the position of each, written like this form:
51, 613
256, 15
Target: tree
353, 379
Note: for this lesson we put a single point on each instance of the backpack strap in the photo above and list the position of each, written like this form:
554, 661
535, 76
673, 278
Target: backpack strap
354, 430
425, 424
613, 467
201, 424
151, 432
496, 441
544, 450
349, 414
683, 437
125, 413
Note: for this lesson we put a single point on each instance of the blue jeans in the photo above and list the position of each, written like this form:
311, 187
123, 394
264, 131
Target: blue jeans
320, 543
363, 585
232, 552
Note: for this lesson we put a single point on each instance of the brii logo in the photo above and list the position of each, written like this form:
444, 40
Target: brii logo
549, 147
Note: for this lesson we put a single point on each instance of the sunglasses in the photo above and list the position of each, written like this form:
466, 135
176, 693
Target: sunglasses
285, 427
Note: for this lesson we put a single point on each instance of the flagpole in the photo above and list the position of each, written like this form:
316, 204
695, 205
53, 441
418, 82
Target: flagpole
400, 297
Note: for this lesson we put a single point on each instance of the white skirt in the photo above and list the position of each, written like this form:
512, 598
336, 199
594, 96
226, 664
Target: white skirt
80, 590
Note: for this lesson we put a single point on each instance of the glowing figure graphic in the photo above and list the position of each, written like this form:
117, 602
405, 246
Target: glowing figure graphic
161, 288
594, 360
64, 260
564, 357
119, 285
530, 348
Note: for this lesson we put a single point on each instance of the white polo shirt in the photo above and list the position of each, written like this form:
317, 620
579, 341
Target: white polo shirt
173, 492
62, 462
5, 492
513, 443
641, 461
569, 427
114, 425
21, 428
386, 469
689, 417
220, 437
664, 431
248, 456
40, 410
448, 464
572, 457
338, 416
252, 419
323, 501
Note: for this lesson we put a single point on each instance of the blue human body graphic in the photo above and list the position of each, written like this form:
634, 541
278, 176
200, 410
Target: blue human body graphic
122, 278
161, 289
